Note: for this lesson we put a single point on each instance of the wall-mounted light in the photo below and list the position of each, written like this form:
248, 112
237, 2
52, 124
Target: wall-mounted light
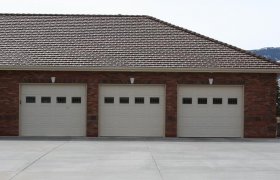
131, 80
53, 79
211, 81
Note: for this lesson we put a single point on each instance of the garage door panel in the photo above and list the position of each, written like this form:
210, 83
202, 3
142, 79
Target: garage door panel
58, 131
132, 119
207, 119
207, 114
52, 118
210, 122
30, 111
204, 132
133, 132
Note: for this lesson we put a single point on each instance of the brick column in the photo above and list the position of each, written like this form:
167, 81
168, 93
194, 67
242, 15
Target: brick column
171, 109
92, 109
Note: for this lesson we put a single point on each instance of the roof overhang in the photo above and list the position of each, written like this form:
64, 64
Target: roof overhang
130, 69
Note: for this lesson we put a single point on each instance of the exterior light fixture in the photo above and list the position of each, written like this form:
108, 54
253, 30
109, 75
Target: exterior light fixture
131, 80
211, 81
53, 79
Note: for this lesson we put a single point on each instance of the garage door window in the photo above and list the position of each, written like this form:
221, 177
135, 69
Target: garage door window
232, 101
139, 100
45, 99
30, 99
109, 100
124, 100
217, 101
201, 100
187, 100
60, 100
154, 100
76, 100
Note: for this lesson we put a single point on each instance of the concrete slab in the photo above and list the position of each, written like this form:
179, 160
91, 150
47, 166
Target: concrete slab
218, 175
140, 159
147, 175
91, 165
6, 174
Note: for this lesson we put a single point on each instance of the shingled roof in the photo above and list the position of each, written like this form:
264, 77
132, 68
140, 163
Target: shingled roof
115, 43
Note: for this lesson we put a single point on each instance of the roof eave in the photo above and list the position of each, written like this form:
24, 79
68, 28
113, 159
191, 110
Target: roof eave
135, 69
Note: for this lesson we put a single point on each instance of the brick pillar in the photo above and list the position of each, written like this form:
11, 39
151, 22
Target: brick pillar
171, 109
92, 109
9, 105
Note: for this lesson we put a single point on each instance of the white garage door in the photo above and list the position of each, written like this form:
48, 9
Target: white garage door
210, 111
53, 110
131, 110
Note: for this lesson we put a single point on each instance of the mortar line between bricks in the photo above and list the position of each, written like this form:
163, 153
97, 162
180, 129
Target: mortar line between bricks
37, 159
155, 163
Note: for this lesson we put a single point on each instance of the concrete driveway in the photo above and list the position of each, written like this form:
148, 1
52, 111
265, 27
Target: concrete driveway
186, 159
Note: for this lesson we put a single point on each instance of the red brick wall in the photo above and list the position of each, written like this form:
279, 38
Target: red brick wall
260, 96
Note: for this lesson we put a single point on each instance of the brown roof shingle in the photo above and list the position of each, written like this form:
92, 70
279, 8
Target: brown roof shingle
115, 42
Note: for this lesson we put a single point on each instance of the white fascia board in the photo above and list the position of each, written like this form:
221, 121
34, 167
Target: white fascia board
117, 69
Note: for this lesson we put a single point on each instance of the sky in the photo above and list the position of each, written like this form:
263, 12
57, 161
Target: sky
247, 24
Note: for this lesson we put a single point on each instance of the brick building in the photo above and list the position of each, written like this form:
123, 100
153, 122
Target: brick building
118, 75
